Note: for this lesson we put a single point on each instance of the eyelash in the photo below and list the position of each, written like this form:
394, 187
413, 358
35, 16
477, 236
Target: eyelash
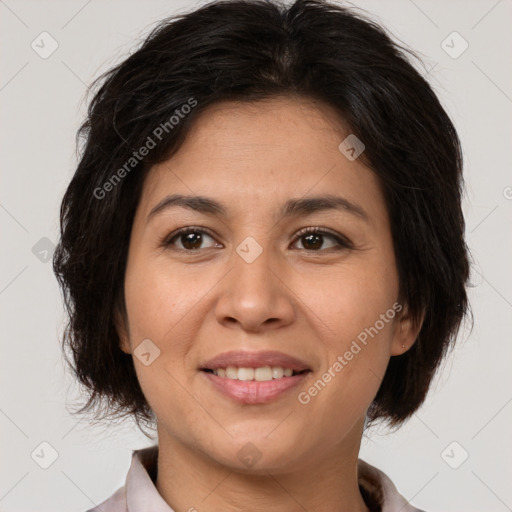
343, 242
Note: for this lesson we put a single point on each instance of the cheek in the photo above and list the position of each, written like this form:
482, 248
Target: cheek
352, 300
359, 308
158, 304
158, 297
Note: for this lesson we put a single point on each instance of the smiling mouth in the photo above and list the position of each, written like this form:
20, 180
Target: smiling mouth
250, 386
260, 374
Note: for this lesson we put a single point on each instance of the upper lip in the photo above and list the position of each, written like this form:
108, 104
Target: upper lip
245, 359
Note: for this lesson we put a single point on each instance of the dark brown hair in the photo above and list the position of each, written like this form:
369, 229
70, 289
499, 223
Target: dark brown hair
247, 51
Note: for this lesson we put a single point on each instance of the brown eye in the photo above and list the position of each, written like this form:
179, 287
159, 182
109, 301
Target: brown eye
190, 239
313, 240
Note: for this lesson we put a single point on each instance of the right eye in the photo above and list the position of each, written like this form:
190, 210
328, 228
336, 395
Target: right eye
190, 239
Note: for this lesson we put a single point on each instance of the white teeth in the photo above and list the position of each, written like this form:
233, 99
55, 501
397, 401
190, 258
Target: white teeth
260, 374
245, 373
277, 372
232, 372
263, 373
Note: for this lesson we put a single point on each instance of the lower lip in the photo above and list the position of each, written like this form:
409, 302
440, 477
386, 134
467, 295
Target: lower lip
253, 391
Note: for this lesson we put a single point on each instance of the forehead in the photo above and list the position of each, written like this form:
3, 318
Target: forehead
255, 155
235, 129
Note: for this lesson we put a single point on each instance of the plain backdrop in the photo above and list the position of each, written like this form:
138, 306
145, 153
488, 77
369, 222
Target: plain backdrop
453, 455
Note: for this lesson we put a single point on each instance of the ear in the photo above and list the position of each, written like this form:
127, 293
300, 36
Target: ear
120, 323
406, 331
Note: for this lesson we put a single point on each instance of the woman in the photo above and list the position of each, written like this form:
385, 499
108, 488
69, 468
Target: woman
261, 254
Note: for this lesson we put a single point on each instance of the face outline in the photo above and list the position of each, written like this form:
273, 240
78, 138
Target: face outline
196, 305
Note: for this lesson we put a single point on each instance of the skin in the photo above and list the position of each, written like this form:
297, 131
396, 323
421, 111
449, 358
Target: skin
304, 298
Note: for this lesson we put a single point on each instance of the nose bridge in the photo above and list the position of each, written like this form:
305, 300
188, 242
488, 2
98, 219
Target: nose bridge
251, 261
253, 294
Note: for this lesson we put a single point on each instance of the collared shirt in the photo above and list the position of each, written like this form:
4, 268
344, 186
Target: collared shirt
139, 493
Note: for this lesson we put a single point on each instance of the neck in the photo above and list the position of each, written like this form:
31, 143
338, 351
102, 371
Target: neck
189, 480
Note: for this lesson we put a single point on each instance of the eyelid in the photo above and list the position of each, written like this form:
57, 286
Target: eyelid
342, 241
166, 241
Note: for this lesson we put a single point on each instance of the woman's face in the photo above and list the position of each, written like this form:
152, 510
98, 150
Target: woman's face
243, 278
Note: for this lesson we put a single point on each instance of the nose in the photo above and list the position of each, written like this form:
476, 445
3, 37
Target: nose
254, 295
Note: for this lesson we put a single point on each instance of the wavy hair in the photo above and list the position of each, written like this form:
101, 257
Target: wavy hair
249, 50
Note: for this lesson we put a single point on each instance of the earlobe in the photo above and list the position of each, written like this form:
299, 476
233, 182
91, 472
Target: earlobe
124, 345
406, 333
122, 332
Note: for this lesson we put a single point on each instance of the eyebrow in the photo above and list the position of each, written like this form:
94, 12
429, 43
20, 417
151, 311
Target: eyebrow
292, 207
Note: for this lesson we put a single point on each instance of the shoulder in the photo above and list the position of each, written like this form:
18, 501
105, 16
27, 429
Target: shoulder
116, 503
139, 491
382, 490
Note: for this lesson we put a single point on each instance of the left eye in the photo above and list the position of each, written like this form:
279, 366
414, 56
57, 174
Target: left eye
313, 235
192, 238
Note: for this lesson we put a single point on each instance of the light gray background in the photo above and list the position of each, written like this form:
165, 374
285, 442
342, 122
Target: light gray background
41, 108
